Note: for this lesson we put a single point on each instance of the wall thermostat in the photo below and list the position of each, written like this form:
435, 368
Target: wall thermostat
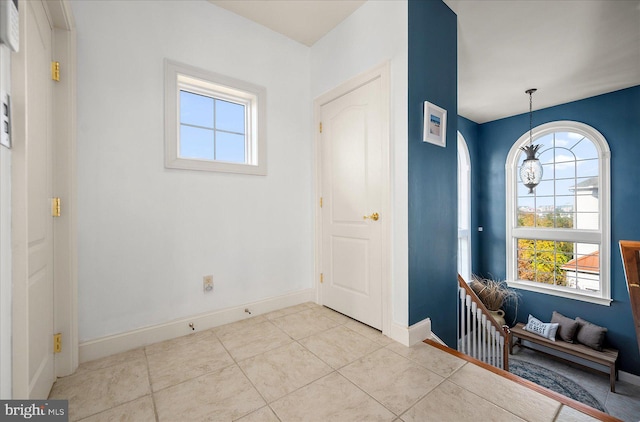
9, 24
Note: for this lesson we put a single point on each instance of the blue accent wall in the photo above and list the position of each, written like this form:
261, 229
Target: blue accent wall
617, 116
432, 169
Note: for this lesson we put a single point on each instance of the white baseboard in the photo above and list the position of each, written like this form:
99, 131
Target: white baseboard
630, 378
109, 345
409, 336
437, 339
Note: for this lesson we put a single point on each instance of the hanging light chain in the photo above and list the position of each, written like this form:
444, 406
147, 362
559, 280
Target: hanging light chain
530, 116
530, 92
531, 169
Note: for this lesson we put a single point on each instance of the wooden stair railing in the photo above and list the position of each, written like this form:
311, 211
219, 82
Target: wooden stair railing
480, 336
630, 252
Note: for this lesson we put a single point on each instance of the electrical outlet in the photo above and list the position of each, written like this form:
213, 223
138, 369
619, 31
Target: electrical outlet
207, 283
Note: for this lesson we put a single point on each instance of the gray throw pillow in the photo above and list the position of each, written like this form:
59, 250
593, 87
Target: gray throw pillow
590, 334
567, 327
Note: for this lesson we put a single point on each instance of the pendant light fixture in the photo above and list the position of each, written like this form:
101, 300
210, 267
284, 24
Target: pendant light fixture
531, 169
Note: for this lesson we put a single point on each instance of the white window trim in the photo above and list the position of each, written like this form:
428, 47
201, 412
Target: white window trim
177, 76
602, 236
464, 192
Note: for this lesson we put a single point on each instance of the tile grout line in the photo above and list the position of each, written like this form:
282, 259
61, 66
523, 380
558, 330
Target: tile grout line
555, 417
294, 340
497, 404
442, 380
311, 382
348, 363
369, 395
423, 366
107, 367
337, 371
333, 370
267, 404
153, 397
197, 376
491, 402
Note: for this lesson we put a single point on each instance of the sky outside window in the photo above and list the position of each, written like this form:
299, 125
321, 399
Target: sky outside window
211, 128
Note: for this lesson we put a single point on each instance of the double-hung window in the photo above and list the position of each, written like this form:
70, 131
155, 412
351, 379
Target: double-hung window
558, 239
213, 122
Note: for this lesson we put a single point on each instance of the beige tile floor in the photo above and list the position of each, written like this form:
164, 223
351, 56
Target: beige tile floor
303, 363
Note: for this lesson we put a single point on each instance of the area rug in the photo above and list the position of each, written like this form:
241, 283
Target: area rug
554, 382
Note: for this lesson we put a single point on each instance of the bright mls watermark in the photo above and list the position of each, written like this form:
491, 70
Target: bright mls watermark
34, 410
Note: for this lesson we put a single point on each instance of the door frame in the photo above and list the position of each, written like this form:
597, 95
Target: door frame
64, 186
65, 258
381, 71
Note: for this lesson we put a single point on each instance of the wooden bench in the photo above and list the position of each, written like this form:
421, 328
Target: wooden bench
607, 357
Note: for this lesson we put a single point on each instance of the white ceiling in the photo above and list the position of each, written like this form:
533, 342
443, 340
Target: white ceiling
305, 21
568, 49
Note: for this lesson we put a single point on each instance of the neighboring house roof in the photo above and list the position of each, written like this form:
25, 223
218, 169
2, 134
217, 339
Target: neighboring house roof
585, 264
588, 184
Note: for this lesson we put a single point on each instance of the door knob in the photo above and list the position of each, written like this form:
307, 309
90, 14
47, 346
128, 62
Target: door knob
373, 216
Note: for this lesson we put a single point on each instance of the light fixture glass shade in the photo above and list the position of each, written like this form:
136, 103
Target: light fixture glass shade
531, 169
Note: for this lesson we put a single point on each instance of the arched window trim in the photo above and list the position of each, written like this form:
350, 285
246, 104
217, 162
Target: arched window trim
464, 205
604, 233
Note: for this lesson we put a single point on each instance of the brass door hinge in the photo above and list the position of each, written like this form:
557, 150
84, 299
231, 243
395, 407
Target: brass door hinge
321, 278
55, 71
320, 202
57, 343
55, 207
320, 127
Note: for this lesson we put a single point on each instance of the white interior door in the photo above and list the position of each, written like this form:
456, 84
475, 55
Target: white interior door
352, 180
32, 217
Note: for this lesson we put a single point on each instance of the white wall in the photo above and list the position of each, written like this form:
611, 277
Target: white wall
147, 235
376, 32
5, 245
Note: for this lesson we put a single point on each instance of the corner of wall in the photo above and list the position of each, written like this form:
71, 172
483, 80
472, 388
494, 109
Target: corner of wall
6, 323
432, 169
413, 334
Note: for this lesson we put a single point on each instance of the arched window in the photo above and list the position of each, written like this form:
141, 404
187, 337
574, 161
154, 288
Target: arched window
464, 209
558, 239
